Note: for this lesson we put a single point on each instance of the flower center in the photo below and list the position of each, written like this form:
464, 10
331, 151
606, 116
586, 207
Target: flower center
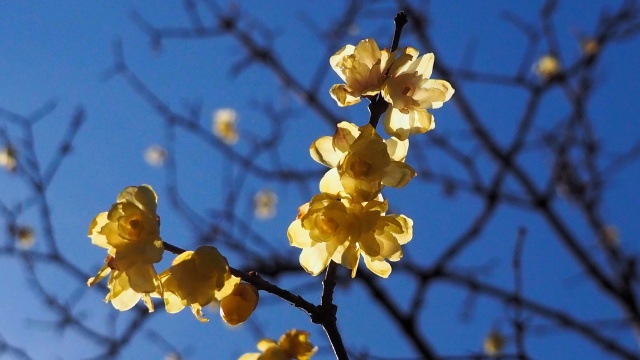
360, 168
326, 225
134, 227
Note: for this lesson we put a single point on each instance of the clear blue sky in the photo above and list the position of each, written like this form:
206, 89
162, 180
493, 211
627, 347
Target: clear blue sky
50, 51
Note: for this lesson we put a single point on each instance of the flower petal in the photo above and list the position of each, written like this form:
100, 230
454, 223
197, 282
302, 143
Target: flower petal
398, 174
397, 149
396, 123
377, 265
323, 152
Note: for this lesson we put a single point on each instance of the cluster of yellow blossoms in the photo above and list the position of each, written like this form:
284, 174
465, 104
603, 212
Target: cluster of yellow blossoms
401, 77
348, 218
294, 344
345, 221
130, 231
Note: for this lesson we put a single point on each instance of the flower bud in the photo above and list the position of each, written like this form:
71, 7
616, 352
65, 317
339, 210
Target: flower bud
240, 304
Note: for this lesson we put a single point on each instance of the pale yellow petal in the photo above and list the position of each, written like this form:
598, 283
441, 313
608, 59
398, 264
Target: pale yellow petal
330, 182
298, 236
396, 123
323, 152
421, 121
250, 356
314, 259
102, 273
343, 96
397, 149
228, 287
125, 300
377, 265
436, 93
337, 58
173, 303
406, 233
264, 344
345, 135
143, 278
398, 174
94, 230
423, 65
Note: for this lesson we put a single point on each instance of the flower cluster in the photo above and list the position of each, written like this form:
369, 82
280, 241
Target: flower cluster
130, 231
294, 344
348, 219
402, 78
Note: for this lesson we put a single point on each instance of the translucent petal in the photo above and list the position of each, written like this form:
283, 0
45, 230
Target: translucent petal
94, 231
173, 303
398, 174
228, 287
337, 58
314, 259
102, 273
421, 121
298, 236
423, 65
250, 356
377, 265
343, 96
323, 152
330, 182
345, 135
264, 344
396, 124
397, 149
406, 233
444, 92
143, 278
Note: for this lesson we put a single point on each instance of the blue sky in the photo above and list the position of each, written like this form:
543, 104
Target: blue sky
52, 52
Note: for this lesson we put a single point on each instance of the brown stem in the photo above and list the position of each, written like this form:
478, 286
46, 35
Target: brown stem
328, 311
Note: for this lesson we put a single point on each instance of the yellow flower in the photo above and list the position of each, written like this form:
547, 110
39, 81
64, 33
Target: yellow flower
130, 232
196, 278
361, 161
335, 227
8, 158
410, 92
155, 155
494, 343
236, 307
547, 67
264, 204
362, 68
224, 125
294, 344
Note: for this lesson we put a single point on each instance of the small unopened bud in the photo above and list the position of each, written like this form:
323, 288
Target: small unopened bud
494, 343
240, 304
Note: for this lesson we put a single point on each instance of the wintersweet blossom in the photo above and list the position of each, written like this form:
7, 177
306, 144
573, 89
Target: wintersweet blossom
547, 67
130, 231
264, 204
236, 307
155, 155
294, 344
8, 158
196, 278
362, 68
361, 161
224, 125
410, 92
335, 227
